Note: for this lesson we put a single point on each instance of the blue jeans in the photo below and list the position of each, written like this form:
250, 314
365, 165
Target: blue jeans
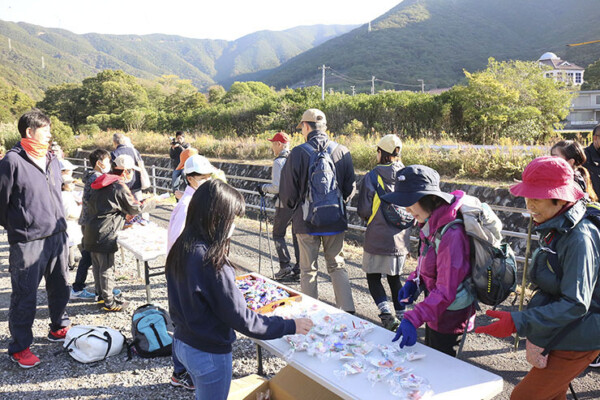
210, 372
176, 179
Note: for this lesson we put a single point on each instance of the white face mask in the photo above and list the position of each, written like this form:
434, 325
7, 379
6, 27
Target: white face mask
230, 234
104, 169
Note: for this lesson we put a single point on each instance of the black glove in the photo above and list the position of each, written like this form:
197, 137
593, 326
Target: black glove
259, 189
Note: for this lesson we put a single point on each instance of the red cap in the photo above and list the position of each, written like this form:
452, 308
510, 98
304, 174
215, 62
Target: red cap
548, 178
280, 137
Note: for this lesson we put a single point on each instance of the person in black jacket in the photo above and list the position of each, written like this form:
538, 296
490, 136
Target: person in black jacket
293, 189
205, 303
109, 203
177, 146
592, 163
31, 211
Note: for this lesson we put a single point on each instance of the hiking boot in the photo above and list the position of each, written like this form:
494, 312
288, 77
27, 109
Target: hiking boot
116, 292
58, 335
284, 272
82, 295
116, 306
596, 362
389, 321
25, 358
182, 379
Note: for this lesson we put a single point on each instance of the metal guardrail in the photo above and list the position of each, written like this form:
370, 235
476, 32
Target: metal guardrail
154, 178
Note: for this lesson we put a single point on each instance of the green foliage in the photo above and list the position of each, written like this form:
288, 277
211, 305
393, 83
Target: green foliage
592, 77
9, 136
67, 103
13, 102
62, 133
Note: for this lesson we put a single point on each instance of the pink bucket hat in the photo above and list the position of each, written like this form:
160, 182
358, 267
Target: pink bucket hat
548, 178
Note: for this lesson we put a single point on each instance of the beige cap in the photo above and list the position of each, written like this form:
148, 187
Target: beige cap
312, 115
124, 161
389, 143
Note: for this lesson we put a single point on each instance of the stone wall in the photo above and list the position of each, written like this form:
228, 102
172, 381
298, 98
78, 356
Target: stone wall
514, 222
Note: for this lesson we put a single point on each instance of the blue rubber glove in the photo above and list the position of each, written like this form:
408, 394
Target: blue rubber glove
406, 294
408, 332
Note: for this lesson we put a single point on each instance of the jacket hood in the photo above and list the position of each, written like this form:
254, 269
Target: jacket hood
444, 214
105, 180
565, 221
388, 172
318, 136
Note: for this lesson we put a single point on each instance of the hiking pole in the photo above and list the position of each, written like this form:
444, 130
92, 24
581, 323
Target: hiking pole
263, 211
260, 233
524, 281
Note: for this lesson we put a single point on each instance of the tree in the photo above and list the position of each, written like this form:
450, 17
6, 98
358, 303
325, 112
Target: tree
592, 77
66, 102
509, 93
13, 102
113, 92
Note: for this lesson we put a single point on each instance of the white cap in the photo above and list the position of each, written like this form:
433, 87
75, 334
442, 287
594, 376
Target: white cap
124, 161
67, 165
198, 164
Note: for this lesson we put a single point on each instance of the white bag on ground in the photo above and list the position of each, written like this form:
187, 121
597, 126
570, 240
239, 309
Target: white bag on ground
89, 344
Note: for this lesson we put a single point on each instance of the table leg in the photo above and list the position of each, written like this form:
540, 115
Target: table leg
139, 269
122, 255
147, 276
259, 360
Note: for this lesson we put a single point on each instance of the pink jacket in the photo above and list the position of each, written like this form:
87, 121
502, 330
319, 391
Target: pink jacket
441, 273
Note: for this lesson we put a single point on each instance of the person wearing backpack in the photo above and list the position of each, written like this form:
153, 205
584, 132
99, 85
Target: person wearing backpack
205, 303
317, 181
441, 268
280, 144
563, 316
385, 245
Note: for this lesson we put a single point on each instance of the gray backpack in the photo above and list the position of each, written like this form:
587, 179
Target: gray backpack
493, 264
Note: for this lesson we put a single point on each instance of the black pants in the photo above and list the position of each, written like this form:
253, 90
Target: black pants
378, 292
28, 263
445, 342
104, 276
82, 271
282, 219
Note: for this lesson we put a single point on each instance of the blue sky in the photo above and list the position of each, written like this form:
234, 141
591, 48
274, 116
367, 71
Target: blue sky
220, 19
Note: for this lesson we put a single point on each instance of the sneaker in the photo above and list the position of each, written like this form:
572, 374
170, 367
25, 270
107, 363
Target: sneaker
25, 358
117, 306
98, 298
284, 272
596, 362
58, 335
82, 295
183, 379
389, 321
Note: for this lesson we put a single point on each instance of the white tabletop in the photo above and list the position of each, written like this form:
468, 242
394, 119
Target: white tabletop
145, 242
448, 377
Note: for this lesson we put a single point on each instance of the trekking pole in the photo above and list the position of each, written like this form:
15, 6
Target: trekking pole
524, 280
263, 210
260, 234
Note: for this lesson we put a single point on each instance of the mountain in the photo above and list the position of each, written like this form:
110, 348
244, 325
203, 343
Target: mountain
69, 57
435, 40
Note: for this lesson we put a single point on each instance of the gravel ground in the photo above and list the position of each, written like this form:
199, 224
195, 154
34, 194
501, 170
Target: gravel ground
61, 377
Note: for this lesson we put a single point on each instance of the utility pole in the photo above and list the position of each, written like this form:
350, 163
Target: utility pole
9, 44
372, 85
422, 85
323, 81
353, 90
43, 64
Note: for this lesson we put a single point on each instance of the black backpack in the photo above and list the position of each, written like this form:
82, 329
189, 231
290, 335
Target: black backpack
323, 204
152, 331
393, 214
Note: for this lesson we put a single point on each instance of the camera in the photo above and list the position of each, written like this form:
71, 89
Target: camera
173, 140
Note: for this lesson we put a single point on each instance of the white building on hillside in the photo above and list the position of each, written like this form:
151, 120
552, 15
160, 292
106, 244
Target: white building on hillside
562, 70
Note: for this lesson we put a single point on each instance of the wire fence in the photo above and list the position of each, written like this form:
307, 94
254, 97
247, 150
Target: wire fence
155, 177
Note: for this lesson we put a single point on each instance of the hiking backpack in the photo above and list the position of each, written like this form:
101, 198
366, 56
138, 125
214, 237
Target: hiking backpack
493, 264
88, 344
394, 215
323, 204
152, 331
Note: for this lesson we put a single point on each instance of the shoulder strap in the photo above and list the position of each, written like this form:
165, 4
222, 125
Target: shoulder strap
377, 198
439, 234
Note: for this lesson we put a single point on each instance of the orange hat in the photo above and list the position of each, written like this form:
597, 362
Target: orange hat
187, 153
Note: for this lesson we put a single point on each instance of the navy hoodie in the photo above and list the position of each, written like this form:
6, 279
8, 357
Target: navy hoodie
207, 306
30, 199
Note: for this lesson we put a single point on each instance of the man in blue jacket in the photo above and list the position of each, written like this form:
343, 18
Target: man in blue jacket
31, 211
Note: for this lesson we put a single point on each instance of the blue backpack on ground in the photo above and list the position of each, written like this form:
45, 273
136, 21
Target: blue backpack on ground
323, 204
152, 331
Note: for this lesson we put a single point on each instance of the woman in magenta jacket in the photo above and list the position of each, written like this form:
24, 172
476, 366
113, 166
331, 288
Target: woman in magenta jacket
440, 269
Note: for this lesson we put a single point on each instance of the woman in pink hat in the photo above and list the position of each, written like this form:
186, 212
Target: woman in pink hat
563, 317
